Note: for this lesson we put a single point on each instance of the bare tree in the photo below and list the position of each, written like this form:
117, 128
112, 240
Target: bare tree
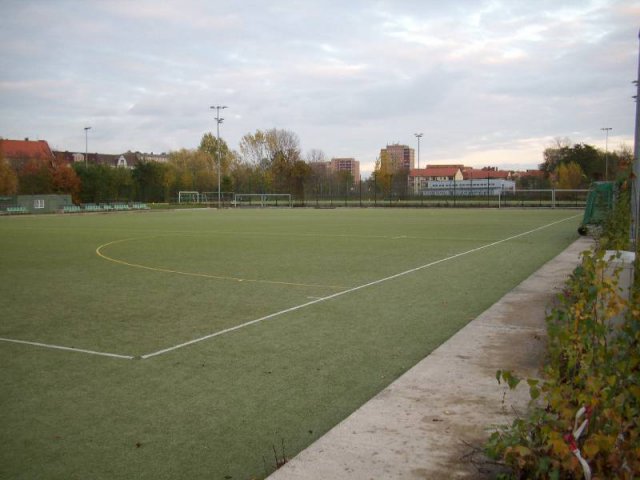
316, 156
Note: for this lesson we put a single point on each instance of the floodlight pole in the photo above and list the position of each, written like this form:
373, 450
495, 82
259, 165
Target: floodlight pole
606, 152
218, 122
418, 136
635, 189
86, 145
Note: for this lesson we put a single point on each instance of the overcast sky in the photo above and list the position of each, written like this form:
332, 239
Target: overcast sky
487, 82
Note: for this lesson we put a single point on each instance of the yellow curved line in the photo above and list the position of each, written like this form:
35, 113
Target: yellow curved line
192, 274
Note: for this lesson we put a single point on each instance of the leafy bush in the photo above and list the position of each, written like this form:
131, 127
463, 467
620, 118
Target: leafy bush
592, 377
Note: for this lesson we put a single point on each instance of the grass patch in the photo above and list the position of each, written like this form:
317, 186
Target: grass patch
217, 408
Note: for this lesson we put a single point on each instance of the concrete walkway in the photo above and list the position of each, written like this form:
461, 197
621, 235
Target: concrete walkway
432, 421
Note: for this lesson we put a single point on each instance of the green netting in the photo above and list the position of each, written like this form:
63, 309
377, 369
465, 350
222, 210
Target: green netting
599, 202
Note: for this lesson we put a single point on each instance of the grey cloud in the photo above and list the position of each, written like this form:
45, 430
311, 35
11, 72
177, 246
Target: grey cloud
345, 76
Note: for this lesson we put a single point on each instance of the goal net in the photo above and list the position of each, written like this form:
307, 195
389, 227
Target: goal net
262, 200
553, 198
212, 197
188, 196
207, 198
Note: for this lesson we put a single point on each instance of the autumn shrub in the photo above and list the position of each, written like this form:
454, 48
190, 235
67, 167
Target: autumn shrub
584, 414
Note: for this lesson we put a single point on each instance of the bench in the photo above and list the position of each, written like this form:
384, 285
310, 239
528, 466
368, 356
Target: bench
16, 210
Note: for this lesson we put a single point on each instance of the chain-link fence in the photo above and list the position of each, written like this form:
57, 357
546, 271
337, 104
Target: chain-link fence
365, 194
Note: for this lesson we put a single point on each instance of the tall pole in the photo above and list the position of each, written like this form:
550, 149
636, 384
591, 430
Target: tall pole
606, 153
86, 145
218, 122
418, 136
635, 197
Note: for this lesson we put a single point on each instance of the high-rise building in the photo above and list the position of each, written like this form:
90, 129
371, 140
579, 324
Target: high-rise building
350, 165
397, 157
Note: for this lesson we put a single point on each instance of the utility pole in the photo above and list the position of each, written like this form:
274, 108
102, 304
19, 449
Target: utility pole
418, 136
606, 153
86, 145
218, 122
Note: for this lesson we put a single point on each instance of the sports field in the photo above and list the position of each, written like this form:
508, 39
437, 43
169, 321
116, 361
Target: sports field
189, 344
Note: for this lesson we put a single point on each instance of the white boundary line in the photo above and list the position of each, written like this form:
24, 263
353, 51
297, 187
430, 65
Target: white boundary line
72, 349
350, 290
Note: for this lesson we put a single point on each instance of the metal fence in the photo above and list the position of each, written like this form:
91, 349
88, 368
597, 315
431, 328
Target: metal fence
363, 196
551, 198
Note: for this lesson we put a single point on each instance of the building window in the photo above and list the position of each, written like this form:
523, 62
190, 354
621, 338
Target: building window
39, 203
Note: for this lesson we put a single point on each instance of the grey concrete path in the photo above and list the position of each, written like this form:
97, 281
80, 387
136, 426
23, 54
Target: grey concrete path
431, 422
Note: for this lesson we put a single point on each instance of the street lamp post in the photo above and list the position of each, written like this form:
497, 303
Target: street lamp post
606, 152
86, 145
418, 136
635, 190
218, 122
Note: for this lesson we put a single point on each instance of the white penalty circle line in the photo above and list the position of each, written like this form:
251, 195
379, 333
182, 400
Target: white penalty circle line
195, 274
350, 290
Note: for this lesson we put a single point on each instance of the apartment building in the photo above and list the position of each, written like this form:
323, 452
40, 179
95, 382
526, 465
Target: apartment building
397, 157
350, 165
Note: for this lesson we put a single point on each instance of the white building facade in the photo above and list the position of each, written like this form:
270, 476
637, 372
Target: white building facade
476, 187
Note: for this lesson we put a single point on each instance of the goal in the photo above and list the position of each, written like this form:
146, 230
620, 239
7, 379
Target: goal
206, 198
188, 196
212, 197
262, 200
553, 198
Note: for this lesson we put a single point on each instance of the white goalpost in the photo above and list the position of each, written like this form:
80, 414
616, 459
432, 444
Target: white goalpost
192, 196
188, 196
552, 197
212, 197
262, 200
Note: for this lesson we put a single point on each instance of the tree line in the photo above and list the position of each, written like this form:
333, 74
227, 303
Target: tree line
270, 161
572, 166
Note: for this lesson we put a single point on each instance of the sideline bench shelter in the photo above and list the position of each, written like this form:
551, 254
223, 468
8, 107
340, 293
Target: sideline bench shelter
35, 203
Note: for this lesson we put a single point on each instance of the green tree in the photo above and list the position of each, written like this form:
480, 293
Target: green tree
149, 180
226, 184
8, 178
65, 180
121, 184
169, 183
300, 173
35, 177
254, 151
383, 174
554, 155
102, 183
194, 170
532, 182
569, 176
345, 179
93, 180
275, 154
217, 151
248, 178
589, 158
619, 162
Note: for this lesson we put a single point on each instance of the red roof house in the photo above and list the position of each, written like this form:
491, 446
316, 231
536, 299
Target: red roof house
473, 174
418, 178
437, 173
19, 152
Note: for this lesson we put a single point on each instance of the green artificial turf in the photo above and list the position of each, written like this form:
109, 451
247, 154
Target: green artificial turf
215, 409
